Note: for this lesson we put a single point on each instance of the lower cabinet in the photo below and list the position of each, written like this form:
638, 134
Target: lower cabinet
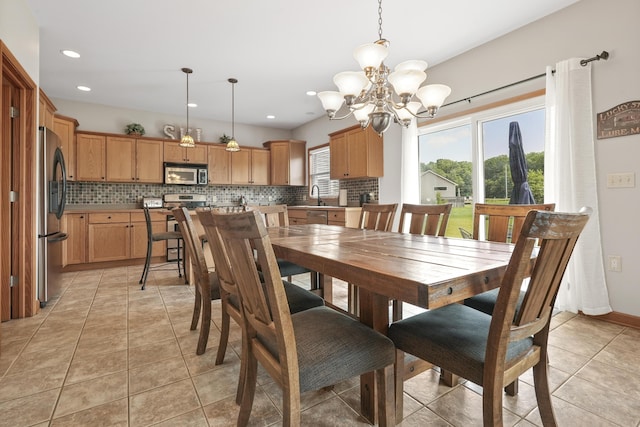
342, 216
74, 249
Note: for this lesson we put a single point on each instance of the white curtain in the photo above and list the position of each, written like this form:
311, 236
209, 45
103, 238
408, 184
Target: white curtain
570, 182
410, 170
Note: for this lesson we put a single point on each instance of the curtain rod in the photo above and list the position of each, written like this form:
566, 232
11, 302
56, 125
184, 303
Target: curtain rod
604, 55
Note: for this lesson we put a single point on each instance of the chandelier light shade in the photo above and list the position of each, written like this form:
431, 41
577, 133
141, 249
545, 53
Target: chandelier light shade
232, 145
187, 139
375, 96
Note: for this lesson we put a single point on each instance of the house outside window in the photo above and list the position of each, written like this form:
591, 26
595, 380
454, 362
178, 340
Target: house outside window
320, 171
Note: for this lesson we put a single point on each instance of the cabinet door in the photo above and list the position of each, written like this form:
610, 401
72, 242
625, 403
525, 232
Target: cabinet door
74, 249
357, 154
197, 154
149, 161
121, 157
339, 157
139, 239
109, 242
240, 167
279, 163
260, 165
90, 157
219, 165
65, 129
173, 152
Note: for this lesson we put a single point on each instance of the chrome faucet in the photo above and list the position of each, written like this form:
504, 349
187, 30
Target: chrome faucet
316, 187
243, 201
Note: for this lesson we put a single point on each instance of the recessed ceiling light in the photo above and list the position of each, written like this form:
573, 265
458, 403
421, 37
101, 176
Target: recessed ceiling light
70, 53
271, 117
312, 93
192, 105
84, 88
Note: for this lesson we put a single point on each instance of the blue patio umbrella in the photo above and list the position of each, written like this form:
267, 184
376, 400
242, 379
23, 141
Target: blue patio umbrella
521, 193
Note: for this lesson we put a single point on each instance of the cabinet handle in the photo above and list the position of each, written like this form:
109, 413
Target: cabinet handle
109, 217
81, 216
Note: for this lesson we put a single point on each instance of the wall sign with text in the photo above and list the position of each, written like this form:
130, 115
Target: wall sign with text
621, 120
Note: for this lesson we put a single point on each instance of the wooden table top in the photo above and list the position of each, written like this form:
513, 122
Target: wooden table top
425, 271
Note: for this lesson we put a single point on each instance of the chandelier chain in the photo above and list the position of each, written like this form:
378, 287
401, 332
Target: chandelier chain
380, 19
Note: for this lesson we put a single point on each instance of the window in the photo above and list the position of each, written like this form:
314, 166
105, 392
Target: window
466, 160
319, 172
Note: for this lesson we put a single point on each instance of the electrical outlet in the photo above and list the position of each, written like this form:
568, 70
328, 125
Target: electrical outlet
621, 180
615, 263
214, 199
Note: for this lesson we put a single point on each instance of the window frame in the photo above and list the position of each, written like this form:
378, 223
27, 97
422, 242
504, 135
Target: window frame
333, 182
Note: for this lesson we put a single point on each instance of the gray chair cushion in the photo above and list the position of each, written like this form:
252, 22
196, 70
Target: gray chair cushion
287, 268
332, 347
299, 299
451, 331
487, 300
166, 235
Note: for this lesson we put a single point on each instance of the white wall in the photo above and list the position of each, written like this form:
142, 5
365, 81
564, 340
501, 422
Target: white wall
19, 32
581, 30
103, 118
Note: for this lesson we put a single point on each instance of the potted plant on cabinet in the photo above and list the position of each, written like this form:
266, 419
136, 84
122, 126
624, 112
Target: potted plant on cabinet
134, 129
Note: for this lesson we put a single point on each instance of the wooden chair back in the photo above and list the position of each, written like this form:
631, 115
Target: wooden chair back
556, 234
201, 273
272, 215
428, 220
377, 217
503, 222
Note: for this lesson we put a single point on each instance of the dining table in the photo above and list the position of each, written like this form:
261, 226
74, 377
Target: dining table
425, 271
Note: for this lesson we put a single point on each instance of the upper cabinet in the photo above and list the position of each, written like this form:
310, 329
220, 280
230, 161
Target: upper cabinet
250, 166
133, 160
356, 153
174, 153
90, 157
65, 128
46, 111
219, 164
287, 162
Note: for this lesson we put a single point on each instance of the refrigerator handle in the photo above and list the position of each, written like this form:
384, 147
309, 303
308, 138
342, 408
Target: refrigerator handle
58, 160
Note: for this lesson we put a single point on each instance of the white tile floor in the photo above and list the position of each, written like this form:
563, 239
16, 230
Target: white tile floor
106, 353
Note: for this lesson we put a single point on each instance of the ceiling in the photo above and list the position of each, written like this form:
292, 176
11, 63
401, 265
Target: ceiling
132, 51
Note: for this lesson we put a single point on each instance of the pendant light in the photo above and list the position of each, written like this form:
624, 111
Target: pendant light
187, 139
232, 145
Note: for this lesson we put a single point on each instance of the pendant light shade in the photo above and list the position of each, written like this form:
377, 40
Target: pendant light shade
187, 139
232, 145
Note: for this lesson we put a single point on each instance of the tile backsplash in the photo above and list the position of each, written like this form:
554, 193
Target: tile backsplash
222, 195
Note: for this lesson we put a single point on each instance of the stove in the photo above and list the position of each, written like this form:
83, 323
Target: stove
189, 201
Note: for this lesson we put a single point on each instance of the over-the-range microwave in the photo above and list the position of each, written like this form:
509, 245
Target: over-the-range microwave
185, 174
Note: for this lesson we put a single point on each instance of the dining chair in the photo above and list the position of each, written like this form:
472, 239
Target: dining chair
493, 350
298, 299
207, 285
308, 350
502, 223
372, 217
158, 237
430, 220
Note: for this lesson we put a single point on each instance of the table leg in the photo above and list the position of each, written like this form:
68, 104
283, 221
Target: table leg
374, 312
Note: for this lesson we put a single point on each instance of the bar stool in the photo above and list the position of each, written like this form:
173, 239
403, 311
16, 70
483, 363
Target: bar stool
157, 237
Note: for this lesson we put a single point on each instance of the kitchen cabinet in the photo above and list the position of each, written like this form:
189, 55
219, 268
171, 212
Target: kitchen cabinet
74, 249
115, 236
250, 166
356, 153
46, 111
288, 159
219, 163
331, 215
65, 128
134, 160
174, 153
90, 157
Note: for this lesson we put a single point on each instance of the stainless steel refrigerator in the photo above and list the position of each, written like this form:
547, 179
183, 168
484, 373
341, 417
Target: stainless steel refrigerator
52, 195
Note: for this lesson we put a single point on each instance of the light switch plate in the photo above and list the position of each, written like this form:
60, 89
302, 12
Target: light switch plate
621, 180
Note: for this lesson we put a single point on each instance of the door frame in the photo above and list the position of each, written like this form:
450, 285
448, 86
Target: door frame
24, 295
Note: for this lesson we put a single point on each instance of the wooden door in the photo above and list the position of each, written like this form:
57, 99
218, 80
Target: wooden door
357, 153
173, 152
74, 249
90, 157
339, 157
109, 242
279, 163
260, 166
149, 161
197, 154
219, 165
240, 167
139, 238
65, 128
120, 163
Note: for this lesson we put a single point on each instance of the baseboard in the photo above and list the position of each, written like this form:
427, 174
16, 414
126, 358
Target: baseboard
110, 264
619, 319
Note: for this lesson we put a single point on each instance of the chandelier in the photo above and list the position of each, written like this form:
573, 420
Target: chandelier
232, 145
375, 96
187, 139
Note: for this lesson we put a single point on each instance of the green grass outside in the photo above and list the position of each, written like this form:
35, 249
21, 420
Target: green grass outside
463, 217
